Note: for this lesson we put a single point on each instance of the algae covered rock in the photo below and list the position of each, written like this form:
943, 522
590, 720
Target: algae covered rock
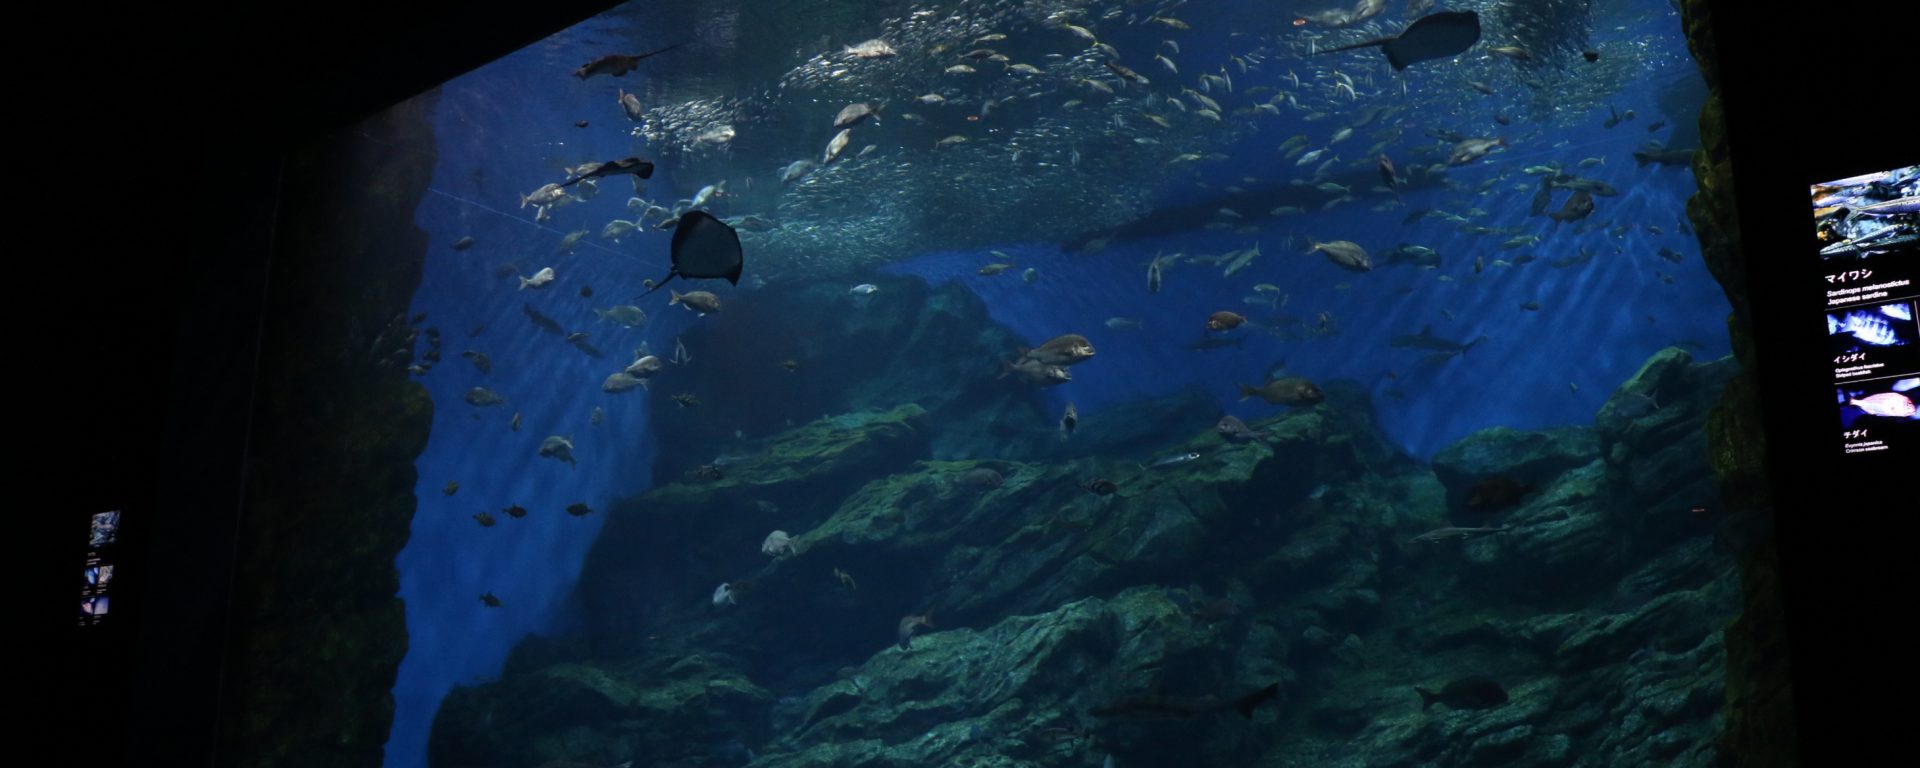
1001, 695
640, 563
1652, 432
651, 712
932, 346
1527, 457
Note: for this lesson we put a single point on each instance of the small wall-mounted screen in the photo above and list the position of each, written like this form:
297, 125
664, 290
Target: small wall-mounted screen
97, 575
1868, 229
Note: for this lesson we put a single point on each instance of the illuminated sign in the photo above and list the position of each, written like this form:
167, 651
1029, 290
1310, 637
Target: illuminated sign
1868, 233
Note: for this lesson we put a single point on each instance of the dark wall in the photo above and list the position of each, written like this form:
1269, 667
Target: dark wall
1811, 98
157, 143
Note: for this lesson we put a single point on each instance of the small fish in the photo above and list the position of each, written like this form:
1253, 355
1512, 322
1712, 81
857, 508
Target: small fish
1122, 323
911, 625
515, 424
698, 302
1069, 421
836, 145
579, 509
516, 511
1453, 534
485, 519
1233, 430
451, 489
853, 114
845, 579
1178, 458
871, 49
686, 400
463, 243
1030, 275
1101, 487
490, 600
1292, 391
1225, 320
482, 396
540, 279
631, 105
558, 448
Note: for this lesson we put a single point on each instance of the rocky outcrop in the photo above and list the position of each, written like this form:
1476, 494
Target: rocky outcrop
1760, 725
1295, 559
319, 630
906, 342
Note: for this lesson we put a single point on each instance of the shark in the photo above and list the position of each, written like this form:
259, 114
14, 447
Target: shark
1426, 340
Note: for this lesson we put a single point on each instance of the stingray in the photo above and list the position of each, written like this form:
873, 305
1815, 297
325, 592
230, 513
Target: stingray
1437, 36
705, 248
631, 165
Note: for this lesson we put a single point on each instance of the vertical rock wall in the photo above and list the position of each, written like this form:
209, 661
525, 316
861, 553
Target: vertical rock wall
317, 630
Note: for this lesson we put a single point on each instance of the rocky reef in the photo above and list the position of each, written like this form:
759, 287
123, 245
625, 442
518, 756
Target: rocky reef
318, 629
1046, 591
934, 345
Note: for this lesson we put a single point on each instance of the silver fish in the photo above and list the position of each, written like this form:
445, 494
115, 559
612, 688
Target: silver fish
1178, 458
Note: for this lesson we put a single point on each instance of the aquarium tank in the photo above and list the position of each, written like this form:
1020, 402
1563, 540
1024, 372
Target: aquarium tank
968, 383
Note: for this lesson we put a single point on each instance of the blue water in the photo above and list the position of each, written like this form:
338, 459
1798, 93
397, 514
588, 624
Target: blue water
507, 128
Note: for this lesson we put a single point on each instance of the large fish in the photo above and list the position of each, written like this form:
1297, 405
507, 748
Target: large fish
542, 321
616, 64
1346, 253
1451, 534
1067, 349
1578, 207
704, 248
1292, 391
1465, 693
630, 165
1426, 340
1160, 707
1448, 33
1654, 153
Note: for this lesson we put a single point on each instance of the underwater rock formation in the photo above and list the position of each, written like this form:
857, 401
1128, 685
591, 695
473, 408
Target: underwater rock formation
1295, 559
906, 342
664, 707
319, 629
1760, 725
